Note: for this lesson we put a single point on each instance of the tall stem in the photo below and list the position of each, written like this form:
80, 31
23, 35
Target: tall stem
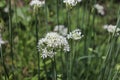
54, 68
2, 60
36, 26
11, 40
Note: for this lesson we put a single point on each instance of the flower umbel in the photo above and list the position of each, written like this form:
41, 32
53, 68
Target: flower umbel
51, 43
37, 3
70, 2
100, 9
112, 28
75, 34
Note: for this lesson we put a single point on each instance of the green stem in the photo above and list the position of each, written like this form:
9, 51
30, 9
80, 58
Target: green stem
38, 55
69, 55
45, 69
11, 36
54, 68
46, 19
2, 60
72, 58
57, 12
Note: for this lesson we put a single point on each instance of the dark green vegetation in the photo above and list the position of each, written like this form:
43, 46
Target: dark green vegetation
94, 57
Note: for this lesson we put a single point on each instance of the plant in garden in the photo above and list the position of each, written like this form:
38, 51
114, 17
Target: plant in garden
112, 28
60, 54
52, 42
75, 34
36, 4
70, 2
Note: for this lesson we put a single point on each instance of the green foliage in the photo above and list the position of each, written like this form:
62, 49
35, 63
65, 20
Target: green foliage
94, 57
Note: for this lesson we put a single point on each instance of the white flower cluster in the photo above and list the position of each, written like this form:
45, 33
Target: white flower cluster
71, 2
112, 28
99, 8
1, 41
79, 0
75, 34
51, 43
61, 29
37, 3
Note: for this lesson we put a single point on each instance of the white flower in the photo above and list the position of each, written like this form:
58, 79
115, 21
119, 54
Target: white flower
46, 53
1, 41
52, 42
79, 0
70, 2
112, 28
6, 9
61, 29
37, 3
99, 8
75, 35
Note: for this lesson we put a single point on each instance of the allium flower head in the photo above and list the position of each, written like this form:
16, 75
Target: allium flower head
61, 29
112, 28
75, 34
99, 8
51, 43
37, 3
70, 2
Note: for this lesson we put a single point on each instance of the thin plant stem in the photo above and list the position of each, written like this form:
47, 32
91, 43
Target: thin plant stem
62, 63
73, 58
3, 63
46, 24
57, 10
46, 19
38, 55
68, 57
45, 69
54, 68
11, 36
78, 12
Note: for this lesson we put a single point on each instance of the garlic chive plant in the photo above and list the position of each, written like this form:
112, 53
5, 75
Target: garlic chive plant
52, 42
100, 9
36, 4
70, 2
112, 29
75, 34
